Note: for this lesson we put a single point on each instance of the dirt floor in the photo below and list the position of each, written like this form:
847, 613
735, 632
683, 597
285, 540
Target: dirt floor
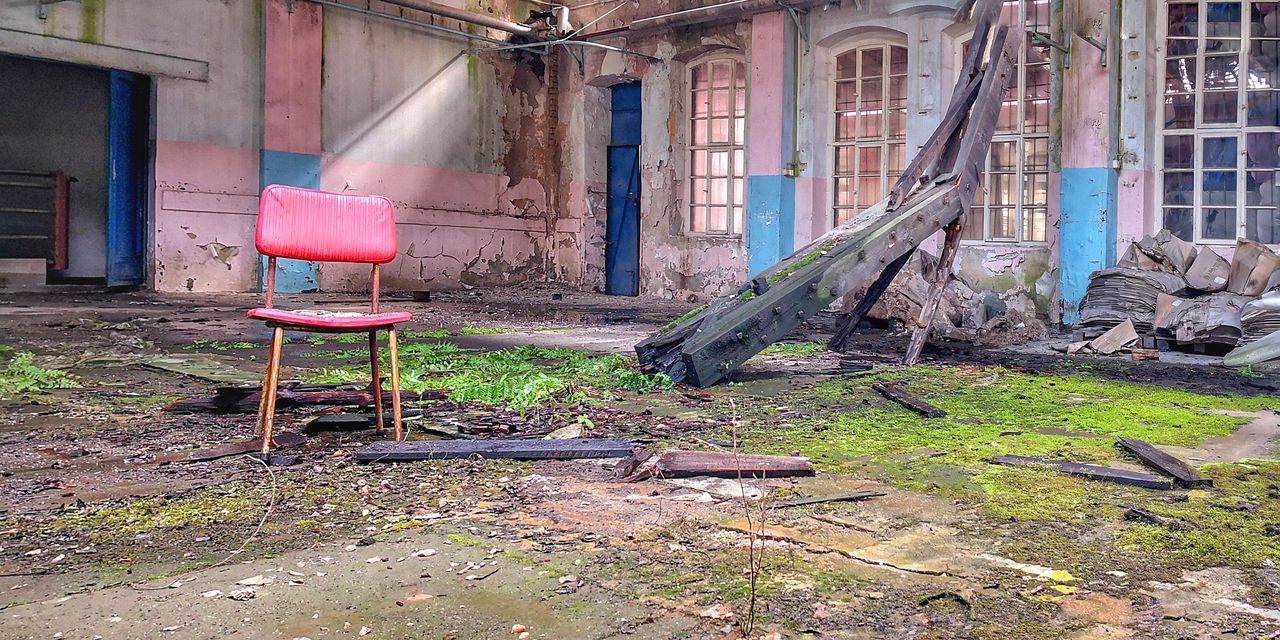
109, 530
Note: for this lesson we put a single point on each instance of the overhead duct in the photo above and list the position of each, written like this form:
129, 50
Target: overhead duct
722, 12
465, 16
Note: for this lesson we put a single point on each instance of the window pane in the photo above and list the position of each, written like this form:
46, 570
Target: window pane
1179, 188
872, 62
897, 91
720, 130
1264, 56
847, 66
898, 61
698, 219
897, 160
720, 103
1220, 152
1184, 19
1002, 223
872, 125
1180, 112
1033, 223
699, 132
1036, 154
698, 192
719, 219
739, 130
740, 75
844, 126
698, 76
1262, 225
1262, 150
740, 102
844, 160
1220, 107
719, 191
1221, 72
1264, 16
737, 220
1037, 118
1180, 47
1035, 189
719, 164
738, 192
844, 191
971, 224
1260, 189
699, 101
1218, 224
1004, 188
1218, 188
1180, 75
720, 74
869, 191
1264, 108
846, 96
869, 161
1004, 156
1222, 20
1180, 222
1179, 152
897, 123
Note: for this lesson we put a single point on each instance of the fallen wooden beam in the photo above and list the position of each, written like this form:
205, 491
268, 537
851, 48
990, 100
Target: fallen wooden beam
718, 464
245, 400
856, 496
1090, 471
388, 451
1181, 472
251, 445
892, 391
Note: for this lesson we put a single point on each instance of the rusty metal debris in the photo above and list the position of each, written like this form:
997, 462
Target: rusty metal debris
245, 400
935, 190
387, 451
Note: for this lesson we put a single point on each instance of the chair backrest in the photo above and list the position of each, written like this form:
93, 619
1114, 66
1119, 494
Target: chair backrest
306, 224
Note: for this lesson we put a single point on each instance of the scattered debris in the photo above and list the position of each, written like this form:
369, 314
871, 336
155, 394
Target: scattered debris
1120, 337
245, 400
1181, 472
389, 451
895, 392
1090, 471
251, 445
683, 464
717, 612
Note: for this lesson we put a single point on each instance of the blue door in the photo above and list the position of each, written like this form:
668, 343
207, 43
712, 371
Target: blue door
622, 231
128, 151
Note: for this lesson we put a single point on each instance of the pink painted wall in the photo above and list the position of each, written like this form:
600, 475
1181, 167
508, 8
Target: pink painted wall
291, 92
206, 205
764, 104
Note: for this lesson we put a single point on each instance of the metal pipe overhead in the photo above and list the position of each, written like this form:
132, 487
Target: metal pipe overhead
412, 23
463, 15
723, 12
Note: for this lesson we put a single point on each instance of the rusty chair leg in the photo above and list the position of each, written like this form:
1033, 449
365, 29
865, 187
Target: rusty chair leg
376, 385
267, 407
395, 383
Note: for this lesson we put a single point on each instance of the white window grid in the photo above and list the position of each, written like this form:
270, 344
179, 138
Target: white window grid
865, 164
1237, 129
716, 101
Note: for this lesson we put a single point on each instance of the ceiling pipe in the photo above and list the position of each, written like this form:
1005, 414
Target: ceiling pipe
722, 12
464, 15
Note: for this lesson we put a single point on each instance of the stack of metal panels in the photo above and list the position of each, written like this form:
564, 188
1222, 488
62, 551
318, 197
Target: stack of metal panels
1260, 318
1118, 294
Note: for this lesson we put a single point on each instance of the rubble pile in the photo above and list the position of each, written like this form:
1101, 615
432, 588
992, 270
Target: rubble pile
1169, 289
963, 314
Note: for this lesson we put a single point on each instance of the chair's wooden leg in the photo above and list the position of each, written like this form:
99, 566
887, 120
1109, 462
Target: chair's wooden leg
266, 384
395, 383
268, 407
376, 386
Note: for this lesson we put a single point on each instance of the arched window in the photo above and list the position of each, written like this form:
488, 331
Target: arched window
871, 126
1220, 148
1013, 202
717, 128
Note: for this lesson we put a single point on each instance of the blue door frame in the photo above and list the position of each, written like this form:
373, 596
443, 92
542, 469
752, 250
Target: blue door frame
128, 158
622, 229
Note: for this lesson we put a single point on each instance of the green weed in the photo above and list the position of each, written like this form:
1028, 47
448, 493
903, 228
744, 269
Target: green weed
23, 376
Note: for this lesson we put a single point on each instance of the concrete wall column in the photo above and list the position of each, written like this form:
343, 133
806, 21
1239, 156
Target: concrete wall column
1088, 204
292, 54
771, 195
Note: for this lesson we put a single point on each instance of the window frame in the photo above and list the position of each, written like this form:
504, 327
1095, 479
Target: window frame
1200, 130
736, 146
1019, 138
886, 42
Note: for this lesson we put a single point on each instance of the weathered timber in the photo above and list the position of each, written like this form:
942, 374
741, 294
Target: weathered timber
899, 395
705, 347
282, 439
388, 451
1090, 471
849, 323
1181, 472
675, 463
938, 284
856, 496
245, 400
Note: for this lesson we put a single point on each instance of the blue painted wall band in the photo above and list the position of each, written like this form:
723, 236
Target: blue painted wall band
1086, 231
294, 170
771, 221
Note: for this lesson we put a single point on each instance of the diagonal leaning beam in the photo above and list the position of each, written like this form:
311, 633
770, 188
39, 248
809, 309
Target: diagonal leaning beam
707, 345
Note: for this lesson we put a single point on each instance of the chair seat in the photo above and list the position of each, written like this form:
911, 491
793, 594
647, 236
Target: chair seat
323, 320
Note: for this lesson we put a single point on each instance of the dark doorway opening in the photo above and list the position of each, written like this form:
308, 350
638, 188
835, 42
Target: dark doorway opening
622, 231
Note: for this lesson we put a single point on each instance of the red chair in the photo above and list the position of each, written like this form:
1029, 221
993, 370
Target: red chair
305, 224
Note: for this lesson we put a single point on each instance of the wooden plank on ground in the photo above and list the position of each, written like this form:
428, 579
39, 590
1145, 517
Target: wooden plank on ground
1158, 460
1090, 471
892, 391
389, 451
720, 464
251, 445
856, 496
245, 400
